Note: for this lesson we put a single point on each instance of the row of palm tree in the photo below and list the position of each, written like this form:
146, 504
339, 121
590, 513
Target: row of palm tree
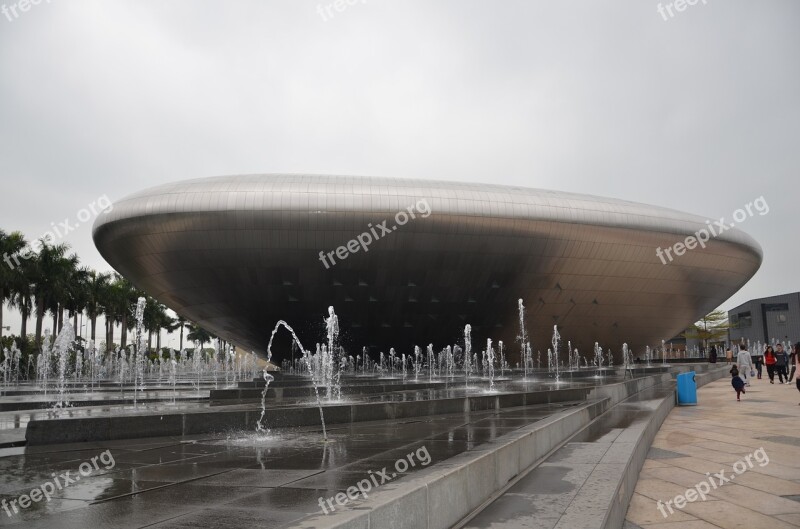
51, 282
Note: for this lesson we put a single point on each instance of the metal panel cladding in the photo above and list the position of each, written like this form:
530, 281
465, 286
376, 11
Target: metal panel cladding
237, 253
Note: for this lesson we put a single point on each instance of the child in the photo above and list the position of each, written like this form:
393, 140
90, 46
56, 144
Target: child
737, 382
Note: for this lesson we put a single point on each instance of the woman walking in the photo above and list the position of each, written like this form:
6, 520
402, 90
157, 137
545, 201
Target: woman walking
769, 361
729, 355
793, 360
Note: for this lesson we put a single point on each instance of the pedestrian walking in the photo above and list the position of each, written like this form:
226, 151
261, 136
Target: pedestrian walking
729, 355
796, 354
769, 361
737, 383
712, 355
758, 361
781, 363
745, 363
793, 360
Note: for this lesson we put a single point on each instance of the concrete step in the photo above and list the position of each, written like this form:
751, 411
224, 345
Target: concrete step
588, 482
254, 395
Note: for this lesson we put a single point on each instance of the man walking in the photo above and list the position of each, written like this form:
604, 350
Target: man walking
781, 362
745, 363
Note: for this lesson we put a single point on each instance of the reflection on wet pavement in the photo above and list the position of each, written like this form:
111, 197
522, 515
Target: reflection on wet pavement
234, 480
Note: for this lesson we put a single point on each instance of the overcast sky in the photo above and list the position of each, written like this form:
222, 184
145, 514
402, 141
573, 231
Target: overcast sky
699, 112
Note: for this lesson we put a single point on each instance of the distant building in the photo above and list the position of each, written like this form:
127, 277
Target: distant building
765, 319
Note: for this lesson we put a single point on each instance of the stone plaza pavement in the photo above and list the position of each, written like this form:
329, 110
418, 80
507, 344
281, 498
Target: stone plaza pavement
712, 437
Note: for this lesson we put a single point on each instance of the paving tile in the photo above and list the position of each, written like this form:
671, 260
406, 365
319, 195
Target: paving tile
783, 439
660, 453
644, 511
715, 435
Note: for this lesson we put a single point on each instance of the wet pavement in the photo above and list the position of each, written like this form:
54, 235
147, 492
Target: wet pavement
247, 480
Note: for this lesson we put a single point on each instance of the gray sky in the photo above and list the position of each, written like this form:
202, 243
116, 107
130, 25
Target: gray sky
699, 112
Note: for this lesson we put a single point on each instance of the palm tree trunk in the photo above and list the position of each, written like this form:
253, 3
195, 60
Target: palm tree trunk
2, 299
23, 328
55, 321
109, 334
75, 322
124, 337
39, 317
181, 347
158, 342
94, 324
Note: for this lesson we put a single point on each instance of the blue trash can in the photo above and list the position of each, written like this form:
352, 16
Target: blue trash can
687, 389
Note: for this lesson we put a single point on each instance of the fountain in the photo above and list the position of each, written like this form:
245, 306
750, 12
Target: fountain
269, 378
43, 362
555, 341
139, 350
468, 366
490, 363
61, 348
598, 358
332, 327
527, 361
502, 358
197, 362
431, 363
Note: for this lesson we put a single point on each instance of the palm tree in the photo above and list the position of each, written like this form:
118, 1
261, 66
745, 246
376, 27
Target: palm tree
199, 334
182, 324
96, 293
51, 271
167, 323
155, 319
118, 307
10, 244
77, 294
22, 297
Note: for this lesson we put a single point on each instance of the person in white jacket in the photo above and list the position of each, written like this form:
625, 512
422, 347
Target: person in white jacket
745, 363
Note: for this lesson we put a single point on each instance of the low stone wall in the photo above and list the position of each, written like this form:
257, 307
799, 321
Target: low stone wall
154, 424
615, 514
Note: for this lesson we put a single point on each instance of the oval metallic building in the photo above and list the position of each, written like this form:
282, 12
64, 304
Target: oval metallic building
237, 253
